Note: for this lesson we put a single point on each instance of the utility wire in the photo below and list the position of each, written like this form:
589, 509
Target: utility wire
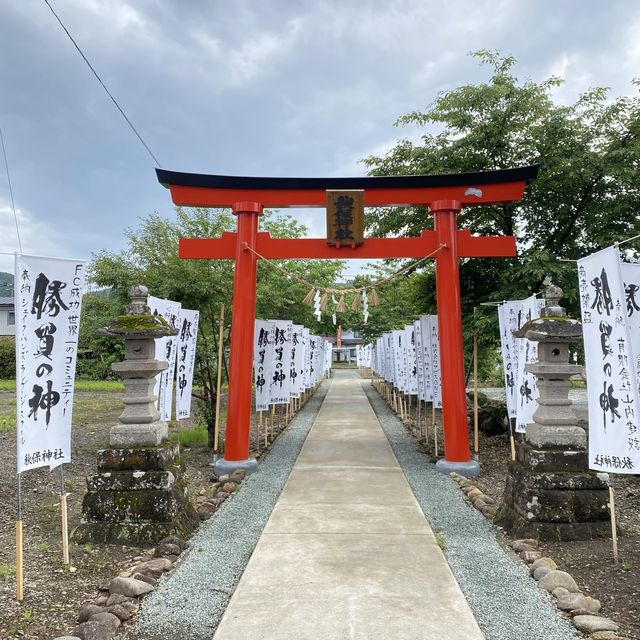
95, 73
13, 206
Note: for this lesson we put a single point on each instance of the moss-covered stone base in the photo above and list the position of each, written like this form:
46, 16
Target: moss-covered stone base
561, 505
137, 498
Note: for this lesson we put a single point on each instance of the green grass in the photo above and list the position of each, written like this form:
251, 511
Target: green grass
80, 385
192, 438
87, 409
7, 570
442, 543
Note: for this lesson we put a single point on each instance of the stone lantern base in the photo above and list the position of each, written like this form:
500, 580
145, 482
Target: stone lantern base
549, 495
137, 498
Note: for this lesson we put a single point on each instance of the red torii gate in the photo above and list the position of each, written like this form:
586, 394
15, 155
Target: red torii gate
445, 195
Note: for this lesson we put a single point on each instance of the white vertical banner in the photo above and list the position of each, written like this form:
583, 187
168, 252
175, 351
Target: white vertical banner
508, 319
306, 368
411, 366
329, 348
612, 386
312, 358
631, 277
48, 303
279, 391
427, 356
398, 359
187, 339
435, 362
417, 332
368, 354
389, 371
316, 362
526, 383
166, 350
264, 336
297, 360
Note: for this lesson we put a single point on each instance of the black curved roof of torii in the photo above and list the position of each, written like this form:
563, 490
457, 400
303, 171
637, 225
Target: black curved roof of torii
518, 174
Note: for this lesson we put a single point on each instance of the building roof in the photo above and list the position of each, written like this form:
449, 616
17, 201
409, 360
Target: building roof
6, 301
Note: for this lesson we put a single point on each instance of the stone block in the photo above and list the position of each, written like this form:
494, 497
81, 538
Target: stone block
556, 459
139, 459
137, 534
133, 506
138, 434
552, 435
555, 506
131, 481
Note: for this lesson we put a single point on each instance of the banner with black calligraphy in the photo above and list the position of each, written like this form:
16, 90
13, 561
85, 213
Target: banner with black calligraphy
296, 373
526, 383
279, 389
417, 332
435, 362
410, 359
612, 389
399, 361
48, 303
187, 339
166, 349
631, 277
264, 335
427, 354
508, 321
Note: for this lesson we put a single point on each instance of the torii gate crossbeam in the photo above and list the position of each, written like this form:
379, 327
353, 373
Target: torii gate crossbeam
445, 195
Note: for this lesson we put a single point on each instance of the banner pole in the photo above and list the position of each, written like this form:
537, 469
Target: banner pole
435, 428
273, 419
475, 393
65, 521
216, 432
19, 545
512, 438
614, 529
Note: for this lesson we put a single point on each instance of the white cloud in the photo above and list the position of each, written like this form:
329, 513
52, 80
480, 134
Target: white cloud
37, 237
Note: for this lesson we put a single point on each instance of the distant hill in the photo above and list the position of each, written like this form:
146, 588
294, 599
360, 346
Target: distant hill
6, 284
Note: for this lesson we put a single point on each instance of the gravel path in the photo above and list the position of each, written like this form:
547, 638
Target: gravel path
507, 603
191, 601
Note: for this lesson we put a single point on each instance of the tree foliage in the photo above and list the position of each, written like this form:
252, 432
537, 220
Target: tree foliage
151, 258
586, 196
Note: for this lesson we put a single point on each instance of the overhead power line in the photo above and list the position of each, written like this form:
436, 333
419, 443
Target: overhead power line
13, 206
99, 79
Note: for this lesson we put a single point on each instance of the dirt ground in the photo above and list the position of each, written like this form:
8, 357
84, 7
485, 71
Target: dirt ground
53, 595
591, 563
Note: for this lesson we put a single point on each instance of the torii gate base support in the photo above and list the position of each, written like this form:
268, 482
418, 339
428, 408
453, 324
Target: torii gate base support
445, 195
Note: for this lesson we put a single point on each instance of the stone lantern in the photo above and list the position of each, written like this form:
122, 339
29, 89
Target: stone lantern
137, 497
550, 493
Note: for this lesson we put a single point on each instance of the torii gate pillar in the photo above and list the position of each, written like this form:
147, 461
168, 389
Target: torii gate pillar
236, 454
454, 403
445, 195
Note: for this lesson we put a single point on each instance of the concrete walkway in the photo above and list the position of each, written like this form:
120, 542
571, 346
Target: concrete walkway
347, 552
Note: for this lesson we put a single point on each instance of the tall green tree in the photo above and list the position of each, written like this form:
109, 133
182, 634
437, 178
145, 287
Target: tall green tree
586, 196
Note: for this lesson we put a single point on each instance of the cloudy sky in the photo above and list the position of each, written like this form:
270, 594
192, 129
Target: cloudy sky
250, 87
